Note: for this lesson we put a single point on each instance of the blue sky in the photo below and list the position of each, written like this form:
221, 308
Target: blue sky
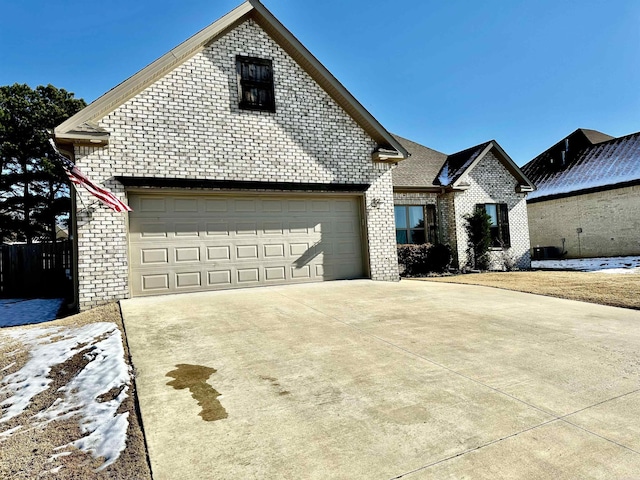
448, 73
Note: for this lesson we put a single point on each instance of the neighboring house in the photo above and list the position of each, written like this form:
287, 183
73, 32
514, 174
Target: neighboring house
433, 192
588, 198
246, 163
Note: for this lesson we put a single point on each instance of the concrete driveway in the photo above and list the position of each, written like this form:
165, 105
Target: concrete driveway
372, 380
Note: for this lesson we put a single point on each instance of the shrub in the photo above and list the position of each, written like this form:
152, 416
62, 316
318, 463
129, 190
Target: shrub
478, 227
439, 257
422, 259
413, 258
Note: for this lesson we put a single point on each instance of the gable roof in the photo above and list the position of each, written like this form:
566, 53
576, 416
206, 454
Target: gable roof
458, 163
76, 127
589, 166
427, 168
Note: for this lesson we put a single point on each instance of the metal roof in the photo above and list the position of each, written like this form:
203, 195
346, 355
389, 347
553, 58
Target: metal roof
585, 166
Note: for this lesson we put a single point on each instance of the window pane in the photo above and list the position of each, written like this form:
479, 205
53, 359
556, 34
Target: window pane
417, 236
416, 217
401, 216
401, 237
493, 213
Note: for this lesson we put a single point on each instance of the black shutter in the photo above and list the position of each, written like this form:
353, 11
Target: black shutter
503, 219
255, 83
430, 224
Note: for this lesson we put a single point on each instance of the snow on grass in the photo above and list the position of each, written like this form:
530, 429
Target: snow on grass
612, 265
20, 311
93, 396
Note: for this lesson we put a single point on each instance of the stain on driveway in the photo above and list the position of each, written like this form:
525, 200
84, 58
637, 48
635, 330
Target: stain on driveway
194, 377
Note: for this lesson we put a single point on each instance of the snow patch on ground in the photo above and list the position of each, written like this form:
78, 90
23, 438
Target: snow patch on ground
20, 311
612, 265
92, 397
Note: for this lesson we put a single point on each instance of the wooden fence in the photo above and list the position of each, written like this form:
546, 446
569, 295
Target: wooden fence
36, 270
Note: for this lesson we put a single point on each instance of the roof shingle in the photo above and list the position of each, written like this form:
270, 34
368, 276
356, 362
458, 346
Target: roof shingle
421, 168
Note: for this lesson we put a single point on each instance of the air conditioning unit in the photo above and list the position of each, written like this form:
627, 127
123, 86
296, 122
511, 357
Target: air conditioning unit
546, 253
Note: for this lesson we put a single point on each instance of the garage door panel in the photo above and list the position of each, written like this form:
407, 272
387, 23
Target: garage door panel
274, 251
248, 275
194, 243
186, 229
272, 274
155, 282
218, 253
188, 280
185, 205
219, 278
187, 254
217, 228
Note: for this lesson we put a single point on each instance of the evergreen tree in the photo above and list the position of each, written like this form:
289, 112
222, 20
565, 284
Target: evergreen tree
34, 190
478, 228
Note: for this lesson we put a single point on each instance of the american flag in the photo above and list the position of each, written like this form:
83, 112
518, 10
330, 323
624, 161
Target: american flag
79, 178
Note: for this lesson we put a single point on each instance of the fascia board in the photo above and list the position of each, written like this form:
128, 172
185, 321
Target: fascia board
526, 185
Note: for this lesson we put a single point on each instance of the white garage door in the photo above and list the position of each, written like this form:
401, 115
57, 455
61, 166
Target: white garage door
180, 243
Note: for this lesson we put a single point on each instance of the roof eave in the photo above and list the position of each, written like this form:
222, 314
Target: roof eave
80, 137
387, 156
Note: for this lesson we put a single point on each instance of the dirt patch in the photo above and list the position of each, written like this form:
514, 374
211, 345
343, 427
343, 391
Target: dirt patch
34, 452
602, 288
194, 377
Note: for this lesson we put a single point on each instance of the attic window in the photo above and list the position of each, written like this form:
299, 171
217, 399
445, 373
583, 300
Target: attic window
255, 84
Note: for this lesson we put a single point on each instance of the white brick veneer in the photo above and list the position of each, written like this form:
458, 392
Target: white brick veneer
188, 125
491, 182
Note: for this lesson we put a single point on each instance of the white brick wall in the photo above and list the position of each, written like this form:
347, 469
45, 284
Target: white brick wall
188, 125
491, 182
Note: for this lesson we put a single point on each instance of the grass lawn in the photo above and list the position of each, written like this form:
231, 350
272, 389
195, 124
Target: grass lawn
617, 290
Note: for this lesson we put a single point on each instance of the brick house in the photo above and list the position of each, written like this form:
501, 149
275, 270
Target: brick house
588, 195
246, 163
433, 192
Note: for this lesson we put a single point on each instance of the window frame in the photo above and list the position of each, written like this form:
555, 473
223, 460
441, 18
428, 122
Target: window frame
500, 233
430, 230
266, 86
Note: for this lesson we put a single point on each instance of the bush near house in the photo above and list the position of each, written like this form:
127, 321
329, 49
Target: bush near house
422, 259
478, 227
